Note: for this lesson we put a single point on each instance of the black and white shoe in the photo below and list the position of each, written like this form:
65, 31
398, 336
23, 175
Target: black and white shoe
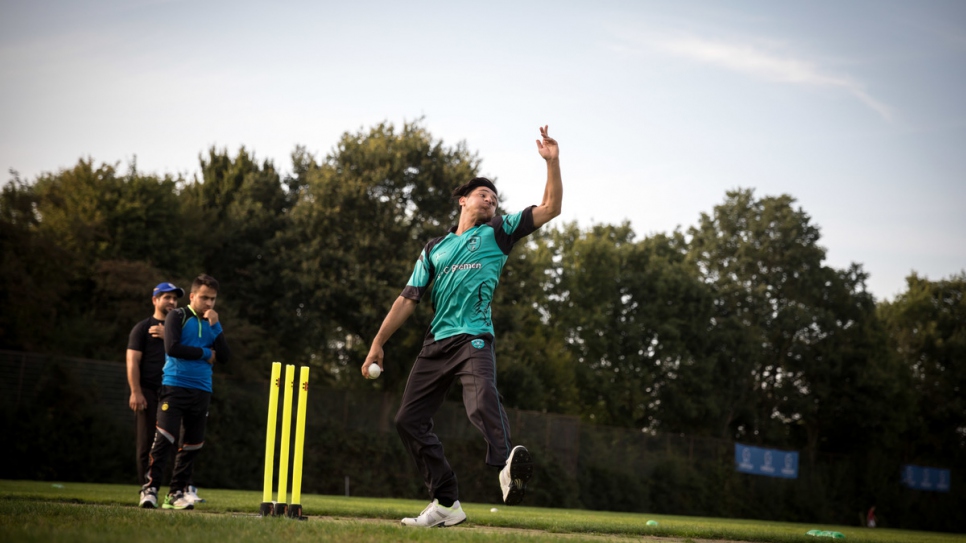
149, 498
436, 515
516, 473
191, 494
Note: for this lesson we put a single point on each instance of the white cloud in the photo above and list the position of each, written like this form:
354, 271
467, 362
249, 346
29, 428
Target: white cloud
765, 64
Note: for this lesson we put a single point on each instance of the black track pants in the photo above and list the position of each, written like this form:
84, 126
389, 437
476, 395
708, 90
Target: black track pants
145, 427
178, 406
470, 359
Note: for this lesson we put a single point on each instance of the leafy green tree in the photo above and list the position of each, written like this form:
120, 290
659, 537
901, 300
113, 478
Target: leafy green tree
31, 266
96, 214
238, 209
78, 232
927, 329
679, 306
537, 371
794, 340
848, 393
630, 312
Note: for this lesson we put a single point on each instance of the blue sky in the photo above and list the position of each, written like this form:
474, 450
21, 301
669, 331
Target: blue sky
855, 108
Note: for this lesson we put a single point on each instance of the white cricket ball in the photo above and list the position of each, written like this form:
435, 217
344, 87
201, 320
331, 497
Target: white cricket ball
374, 371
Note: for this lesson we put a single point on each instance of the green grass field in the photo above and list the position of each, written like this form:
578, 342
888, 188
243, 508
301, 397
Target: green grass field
76, 513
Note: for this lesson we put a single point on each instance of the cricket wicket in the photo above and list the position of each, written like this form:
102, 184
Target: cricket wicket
280, 507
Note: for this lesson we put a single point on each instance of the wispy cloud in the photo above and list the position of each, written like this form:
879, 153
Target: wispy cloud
764, 63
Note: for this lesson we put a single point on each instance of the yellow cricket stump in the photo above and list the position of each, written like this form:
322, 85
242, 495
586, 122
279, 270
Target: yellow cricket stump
295, 510
267, 508
279, 507
282, 502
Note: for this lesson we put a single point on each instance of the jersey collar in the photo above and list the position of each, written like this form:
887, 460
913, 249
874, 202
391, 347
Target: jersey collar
477, 225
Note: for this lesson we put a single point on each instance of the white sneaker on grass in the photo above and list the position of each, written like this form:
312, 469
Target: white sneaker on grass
516, 473
149, 498
176, 500
191, 494
437, 515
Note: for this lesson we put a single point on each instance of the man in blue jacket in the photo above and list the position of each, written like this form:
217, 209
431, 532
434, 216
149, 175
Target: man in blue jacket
193, 342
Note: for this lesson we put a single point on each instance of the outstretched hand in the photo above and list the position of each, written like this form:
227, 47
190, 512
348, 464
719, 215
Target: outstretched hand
548, 146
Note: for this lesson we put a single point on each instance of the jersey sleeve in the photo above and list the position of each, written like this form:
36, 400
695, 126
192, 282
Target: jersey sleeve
221, 348
172, 338
509, 229
422, 275
135, 341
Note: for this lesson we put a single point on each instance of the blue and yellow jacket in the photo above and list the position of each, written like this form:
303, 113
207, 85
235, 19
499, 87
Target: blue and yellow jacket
188, 341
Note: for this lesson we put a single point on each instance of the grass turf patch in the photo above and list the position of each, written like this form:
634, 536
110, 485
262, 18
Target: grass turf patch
78, 512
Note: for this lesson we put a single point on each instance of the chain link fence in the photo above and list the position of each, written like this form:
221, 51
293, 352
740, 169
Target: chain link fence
70, 421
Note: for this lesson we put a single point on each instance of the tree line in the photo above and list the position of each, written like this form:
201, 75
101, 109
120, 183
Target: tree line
734, 328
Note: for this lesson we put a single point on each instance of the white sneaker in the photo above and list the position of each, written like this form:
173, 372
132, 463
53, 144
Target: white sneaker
516, 473
191, 494
177, 500
149, 498
437, 515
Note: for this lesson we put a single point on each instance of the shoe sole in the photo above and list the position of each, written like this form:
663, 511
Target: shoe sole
521, 470
445, 523
148, 505
166, 506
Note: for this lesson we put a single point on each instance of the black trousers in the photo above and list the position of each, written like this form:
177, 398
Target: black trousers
145, 422
472, 360
145, 426
178, 406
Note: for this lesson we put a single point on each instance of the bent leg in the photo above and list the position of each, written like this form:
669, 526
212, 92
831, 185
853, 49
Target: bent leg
482, 402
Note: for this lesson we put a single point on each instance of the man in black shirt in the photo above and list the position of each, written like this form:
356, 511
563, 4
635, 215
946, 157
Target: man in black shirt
145, 360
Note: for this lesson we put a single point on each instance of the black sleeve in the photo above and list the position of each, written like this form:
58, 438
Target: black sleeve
138, 337
510, 229
416, 292
223, 353
172, 338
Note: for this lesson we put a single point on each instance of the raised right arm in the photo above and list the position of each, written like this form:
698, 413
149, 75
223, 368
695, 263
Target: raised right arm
550, 206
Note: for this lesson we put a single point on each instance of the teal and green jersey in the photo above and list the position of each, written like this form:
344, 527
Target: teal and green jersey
464, 271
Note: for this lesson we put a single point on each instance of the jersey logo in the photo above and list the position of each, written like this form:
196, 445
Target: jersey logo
473, 243
164, 406
478, 343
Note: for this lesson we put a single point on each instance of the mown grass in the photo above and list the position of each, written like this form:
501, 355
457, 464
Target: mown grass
74, 512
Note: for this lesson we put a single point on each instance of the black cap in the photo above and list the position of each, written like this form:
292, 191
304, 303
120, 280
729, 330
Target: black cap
468, 187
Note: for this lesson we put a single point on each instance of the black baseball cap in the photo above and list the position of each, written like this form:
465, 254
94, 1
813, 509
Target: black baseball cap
468, 187
167, 287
